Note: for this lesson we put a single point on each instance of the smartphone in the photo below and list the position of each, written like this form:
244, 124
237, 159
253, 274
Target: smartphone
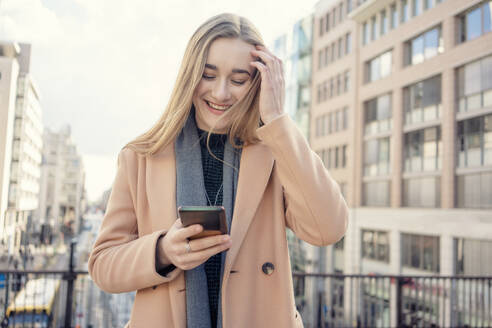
212, 218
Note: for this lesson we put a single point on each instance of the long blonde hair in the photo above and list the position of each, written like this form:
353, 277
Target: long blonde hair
244, 115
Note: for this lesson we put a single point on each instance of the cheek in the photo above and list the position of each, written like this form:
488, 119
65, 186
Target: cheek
241, 92
199, 90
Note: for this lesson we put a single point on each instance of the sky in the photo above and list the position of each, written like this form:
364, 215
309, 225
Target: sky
107, 68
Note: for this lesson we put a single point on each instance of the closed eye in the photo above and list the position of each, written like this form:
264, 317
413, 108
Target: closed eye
208, 77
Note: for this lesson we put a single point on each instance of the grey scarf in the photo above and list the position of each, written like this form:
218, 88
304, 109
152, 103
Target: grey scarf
190, 191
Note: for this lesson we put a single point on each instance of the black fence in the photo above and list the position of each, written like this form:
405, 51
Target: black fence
345, 300
70, 299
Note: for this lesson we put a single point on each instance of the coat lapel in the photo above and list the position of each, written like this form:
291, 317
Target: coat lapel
161, 194
254, 172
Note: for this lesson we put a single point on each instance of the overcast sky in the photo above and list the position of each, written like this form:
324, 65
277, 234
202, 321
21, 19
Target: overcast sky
107, 67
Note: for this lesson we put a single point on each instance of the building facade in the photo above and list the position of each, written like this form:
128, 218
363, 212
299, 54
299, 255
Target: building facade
21, 146
62, 200
26, 157
9, 72
402, 118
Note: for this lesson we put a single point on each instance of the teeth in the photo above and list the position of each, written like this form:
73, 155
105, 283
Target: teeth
217, 106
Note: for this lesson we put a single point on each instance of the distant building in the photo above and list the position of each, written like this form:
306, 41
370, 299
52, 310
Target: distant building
25, 157
9, 73
63, 199
402, 118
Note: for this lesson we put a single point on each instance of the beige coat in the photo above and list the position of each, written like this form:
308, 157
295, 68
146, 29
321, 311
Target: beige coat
282, 184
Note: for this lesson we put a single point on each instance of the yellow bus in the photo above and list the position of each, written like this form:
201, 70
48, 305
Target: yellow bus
33, 305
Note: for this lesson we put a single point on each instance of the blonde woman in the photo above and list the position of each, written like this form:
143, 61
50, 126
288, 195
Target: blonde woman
222, 140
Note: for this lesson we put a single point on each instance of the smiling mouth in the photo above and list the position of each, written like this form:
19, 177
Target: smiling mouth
222, 108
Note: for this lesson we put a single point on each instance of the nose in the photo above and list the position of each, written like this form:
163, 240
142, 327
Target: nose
221, 92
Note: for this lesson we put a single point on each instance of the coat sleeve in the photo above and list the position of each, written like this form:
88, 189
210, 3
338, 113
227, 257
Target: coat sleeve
315, 209
120, 260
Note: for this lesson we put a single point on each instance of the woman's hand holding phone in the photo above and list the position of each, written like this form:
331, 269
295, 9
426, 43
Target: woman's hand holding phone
173, 247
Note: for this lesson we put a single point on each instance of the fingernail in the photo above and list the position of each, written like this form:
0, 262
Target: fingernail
225, 238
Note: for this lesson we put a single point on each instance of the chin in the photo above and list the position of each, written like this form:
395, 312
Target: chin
206, 121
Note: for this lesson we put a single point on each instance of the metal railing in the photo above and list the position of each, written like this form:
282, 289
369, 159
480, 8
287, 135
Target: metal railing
355, 300
68, 298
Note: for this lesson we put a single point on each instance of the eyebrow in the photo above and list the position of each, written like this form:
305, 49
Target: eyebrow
234, 70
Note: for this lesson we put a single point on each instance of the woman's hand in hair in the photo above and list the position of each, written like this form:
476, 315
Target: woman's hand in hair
173, 249
272, 90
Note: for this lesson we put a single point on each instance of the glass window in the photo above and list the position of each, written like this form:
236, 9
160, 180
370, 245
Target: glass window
424, 46
375, 245
321, 23
416, 9
365, 33
417, 45
345, 118
422, 150
379, 67
421, 252
431, 41
340, 11
474, 24
469, 255
337, 157
327, 26
384, 22
348, 45
422, 192
349, 6
428, 4
475, 85
422, 101
373, 28
394, 16
376, 157
377, 113
475, 190
344, 156
487, 12
346, 81
376, 193
404, 11
475, 142
340, 48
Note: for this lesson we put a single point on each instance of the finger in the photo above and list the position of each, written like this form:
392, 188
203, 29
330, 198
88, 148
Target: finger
267, 59
178, 223
187, 232
273, 63
262, 68
207, 242
205, 254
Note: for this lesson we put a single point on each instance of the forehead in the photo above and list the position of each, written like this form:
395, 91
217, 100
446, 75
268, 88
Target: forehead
228, 54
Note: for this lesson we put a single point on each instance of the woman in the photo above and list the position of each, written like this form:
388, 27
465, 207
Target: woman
222, 140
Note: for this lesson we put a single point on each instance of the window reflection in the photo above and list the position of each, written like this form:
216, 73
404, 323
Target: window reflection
424, 46
475, 85
475, 22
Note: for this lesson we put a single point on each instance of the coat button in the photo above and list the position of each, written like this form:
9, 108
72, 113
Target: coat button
268, 268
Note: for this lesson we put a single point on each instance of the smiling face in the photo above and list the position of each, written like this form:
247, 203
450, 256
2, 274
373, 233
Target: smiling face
226, 79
